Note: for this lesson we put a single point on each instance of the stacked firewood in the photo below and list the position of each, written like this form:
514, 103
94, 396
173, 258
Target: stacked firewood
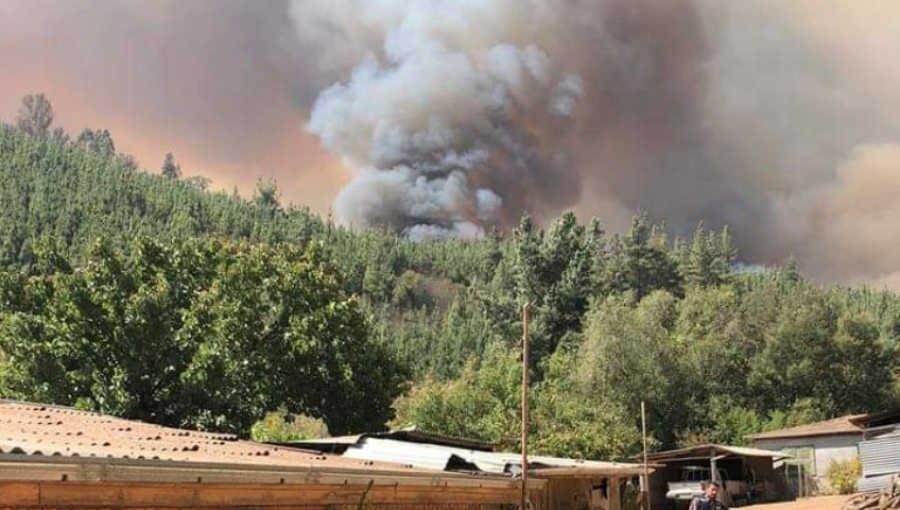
887, 499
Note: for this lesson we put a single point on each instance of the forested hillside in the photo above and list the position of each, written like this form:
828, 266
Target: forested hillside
143, 294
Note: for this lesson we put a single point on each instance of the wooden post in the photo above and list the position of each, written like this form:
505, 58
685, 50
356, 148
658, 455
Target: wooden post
646, 487
525, 405
615, 495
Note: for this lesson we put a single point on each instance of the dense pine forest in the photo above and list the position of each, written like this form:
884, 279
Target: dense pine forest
142, 293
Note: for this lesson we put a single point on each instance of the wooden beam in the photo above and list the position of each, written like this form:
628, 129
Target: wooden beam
62, 495
97, 469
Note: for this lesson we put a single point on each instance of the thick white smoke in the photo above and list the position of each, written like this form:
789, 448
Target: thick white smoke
438, 125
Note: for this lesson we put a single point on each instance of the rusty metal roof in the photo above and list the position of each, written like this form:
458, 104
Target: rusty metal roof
41, 433
837, 426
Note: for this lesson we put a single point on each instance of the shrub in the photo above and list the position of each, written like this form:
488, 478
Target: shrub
842, 476
282, 427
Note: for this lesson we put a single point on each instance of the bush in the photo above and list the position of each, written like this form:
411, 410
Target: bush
842, 476
283, 427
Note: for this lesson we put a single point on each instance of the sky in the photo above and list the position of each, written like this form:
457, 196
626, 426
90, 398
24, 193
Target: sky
448, 117
210, 82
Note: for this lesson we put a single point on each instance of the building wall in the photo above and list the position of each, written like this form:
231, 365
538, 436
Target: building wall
584, 493
62, 495
556, 494
826, 448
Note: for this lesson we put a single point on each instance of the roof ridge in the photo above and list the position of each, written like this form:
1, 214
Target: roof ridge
844, 425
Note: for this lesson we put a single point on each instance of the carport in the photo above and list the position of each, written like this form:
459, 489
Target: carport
748, 474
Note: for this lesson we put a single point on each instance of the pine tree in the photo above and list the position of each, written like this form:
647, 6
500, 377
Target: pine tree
35, 115
527, 241
98, 141
790, 272
267, 194
170, 169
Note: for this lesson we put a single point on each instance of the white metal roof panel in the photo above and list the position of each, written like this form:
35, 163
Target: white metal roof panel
438, 457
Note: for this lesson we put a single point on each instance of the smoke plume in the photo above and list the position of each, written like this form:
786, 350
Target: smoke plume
451, 126
777, 118
462, 115
449, 117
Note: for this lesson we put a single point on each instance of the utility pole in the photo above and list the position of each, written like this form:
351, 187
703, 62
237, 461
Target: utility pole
646, 491
526, 310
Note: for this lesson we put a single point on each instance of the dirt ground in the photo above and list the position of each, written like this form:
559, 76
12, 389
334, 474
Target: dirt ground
822, 503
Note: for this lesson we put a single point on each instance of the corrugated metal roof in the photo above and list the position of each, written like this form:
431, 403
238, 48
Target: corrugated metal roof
442, 458
837, 426
880, 456
43, 431
339, 443
713, 450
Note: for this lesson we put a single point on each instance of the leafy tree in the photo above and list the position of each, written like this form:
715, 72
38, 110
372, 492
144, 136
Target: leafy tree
628, 355
569, 422
858, 339
799, 356
211, 334
713, 355
484, 403
35, 115
733, 424
802, 412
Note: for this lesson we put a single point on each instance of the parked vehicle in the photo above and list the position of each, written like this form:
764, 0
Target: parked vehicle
691, 484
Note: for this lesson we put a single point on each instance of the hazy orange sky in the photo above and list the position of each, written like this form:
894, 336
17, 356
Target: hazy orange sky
164, 77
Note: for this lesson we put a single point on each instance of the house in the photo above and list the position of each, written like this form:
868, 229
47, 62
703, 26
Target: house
747, 473
570, 484
61, 458
874, 437
812, 448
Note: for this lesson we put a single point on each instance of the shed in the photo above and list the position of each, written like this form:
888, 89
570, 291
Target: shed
571, 484
738, 463
61, 458
879, 450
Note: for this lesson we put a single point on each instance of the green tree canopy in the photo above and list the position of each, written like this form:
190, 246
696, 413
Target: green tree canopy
207, 334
